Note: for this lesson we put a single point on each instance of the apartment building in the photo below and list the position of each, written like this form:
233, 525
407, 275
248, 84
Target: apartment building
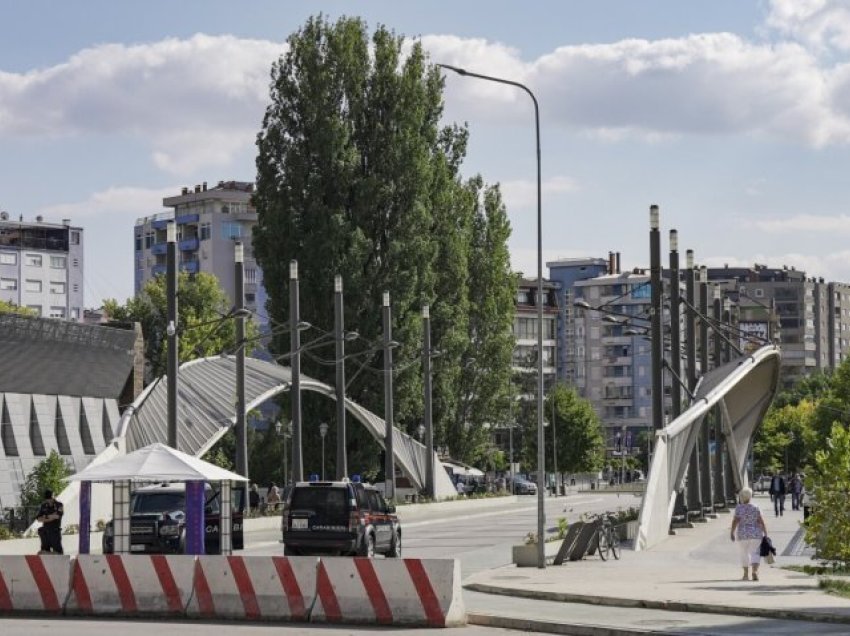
41, 266
526, 327
209, 223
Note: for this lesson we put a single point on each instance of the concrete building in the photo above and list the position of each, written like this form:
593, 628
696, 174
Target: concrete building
209, 223
810, 317
613, 369
41, 266
62, 386
526, 326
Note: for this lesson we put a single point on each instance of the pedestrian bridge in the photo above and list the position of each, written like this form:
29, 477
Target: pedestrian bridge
742, 391
206, 409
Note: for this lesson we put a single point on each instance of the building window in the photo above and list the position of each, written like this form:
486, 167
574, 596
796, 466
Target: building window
75, 313
149, 236
250, 275
57, 312
76, 262
36, 309
204, 232
138, 243
250, 298
759, 293
33, 286
57, 262
33, 260
57, 287
75, 237
8, 258
9, 284
231, 230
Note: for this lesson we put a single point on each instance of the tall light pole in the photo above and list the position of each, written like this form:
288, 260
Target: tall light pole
171, 329
541, 460
285, 433
389, 458
339, 335
655, 325
323, 431
428, 422
295, 366
241, 423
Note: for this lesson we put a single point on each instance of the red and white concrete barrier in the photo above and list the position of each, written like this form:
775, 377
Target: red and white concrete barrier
34, 583
424, 592
131, 585
253, 588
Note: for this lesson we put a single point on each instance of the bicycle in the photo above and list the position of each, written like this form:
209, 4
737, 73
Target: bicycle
608, 539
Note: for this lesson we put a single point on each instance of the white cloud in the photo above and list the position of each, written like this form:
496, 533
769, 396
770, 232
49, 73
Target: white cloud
820, 24
831, 266
811, 223
121, 202
196, 100
522, 193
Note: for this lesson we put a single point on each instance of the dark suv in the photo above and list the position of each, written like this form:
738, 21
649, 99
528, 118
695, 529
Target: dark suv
158, 521
339, 517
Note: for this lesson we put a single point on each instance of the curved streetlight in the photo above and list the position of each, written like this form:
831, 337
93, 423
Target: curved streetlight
541, 513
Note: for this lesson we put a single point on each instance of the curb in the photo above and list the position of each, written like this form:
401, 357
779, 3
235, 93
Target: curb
670, 606
548, 627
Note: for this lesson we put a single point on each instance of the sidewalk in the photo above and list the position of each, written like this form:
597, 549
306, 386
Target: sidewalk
696, 570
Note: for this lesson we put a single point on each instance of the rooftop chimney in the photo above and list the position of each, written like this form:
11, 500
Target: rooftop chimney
185, 190
617, 261
66, 221
4, 216
39, 218
197, 188
204, 187
611, 263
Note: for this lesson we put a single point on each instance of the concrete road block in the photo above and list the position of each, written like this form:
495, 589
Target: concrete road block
424, 592
131, 585
253, 588
34, 583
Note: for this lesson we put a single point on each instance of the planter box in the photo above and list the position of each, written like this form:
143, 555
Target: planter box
628, 531
525, 556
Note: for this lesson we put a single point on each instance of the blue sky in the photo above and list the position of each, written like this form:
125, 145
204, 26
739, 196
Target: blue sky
732, 115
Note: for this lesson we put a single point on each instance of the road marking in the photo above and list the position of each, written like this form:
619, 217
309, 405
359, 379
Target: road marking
417, 524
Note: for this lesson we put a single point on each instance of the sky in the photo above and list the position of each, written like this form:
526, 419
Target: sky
733, 116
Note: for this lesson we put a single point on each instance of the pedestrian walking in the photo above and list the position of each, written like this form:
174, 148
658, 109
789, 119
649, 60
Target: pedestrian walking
777, 494
748, 529
795, 485
254, 498
50, 516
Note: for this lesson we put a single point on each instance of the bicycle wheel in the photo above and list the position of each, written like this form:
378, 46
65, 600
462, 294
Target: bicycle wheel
604, 546
615, 543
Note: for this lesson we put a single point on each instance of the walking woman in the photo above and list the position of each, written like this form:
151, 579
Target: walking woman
750, 529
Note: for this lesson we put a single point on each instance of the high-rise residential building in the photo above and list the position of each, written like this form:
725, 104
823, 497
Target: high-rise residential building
566, 272
810, 317
209, 223
526, 326
613, 369
41, 266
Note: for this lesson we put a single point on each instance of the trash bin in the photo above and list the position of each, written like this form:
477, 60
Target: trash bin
573, 481
593, 485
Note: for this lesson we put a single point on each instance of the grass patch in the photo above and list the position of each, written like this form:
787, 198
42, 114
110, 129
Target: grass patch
835, 586
819, 570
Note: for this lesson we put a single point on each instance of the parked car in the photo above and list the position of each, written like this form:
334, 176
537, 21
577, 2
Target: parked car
762, 484
158, 521
339, 517
522, 486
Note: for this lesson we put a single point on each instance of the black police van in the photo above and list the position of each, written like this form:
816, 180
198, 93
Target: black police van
158, 521
339, 517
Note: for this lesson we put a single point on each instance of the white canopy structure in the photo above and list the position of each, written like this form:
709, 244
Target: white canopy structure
156, 462
743, 390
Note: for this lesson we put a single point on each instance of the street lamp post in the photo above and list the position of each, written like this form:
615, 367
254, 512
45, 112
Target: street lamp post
428, 424
323, 430
295, 367
389, 457
285, 433
241, 423
339, 328
171, 330
541, 460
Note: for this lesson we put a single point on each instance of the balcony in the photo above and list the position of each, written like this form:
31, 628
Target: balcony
184, 219
158, 270
193, 267
189, 244
161, 224
159, 249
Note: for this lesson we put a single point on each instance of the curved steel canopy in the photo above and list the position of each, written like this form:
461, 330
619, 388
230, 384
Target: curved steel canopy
206, 398
743, 390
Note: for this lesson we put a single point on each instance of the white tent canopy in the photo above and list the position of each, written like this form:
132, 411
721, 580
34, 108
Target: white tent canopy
156, 462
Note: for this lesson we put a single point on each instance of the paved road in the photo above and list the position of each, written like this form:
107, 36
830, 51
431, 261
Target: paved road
79, 627
480, 539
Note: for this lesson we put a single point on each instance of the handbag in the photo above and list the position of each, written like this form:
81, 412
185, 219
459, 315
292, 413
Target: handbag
769, 559
767, 550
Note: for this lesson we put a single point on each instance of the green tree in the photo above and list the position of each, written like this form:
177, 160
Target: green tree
50, 473
828, 483
355, 176
12, 308
581, 447
787, 435
200, 308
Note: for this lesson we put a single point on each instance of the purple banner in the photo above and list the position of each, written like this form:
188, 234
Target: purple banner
195, 517
85, 517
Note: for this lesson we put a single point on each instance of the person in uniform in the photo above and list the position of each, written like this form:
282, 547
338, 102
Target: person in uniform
50, 516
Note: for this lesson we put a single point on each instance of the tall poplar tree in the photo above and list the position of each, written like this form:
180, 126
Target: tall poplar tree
355, 176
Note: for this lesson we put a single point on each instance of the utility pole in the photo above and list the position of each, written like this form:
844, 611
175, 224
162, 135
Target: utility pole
295, 366
171, 330
694, 490
241, 424
719, 440
427, 415
389, 462
339, 335
657, 342
705, 446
